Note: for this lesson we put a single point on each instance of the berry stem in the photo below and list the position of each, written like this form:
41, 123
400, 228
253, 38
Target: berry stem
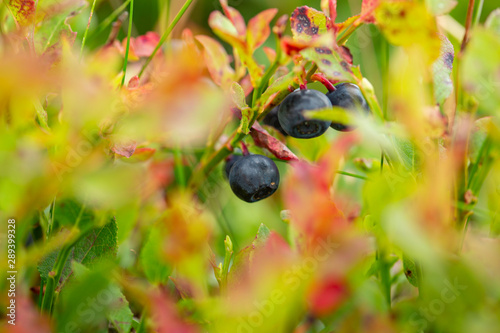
244, 149
321, 78
269, 73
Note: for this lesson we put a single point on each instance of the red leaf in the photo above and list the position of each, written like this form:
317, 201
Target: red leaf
144, 45
183, 287
235, 17
126, 149
263, 139
329, 7
327, 295
166, 318
258, 28
27, 318
292, 47
133, 83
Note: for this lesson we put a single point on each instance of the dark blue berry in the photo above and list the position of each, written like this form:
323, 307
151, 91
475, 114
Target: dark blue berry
254, 177
271, 119
291, 113
347, 96
230, 162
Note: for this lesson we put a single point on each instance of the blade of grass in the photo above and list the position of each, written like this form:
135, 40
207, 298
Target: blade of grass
166, 34
352, 175
478, 12
55, 274
110, 19
125, 61
87, 29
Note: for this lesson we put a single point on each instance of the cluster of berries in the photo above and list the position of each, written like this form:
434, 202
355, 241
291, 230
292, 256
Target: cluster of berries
255, 177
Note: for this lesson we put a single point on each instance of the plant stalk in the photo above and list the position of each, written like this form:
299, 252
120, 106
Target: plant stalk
125, 61
166, 34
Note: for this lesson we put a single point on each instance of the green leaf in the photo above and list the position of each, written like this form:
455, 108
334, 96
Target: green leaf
405, 150
493, 21
22, 10
411, 271
98, 244
245, 256
277, 92
152, 259
118, 313
52, 25
308, 23
334, 114
217, 61
246, 116
238, 96
480, 70
441, 71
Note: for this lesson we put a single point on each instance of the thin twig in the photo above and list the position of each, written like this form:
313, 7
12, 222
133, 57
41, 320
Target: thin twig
87, 29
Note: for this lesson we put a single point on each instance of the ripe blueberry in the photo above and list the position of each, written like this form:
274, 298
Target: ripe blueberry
291, 113
230, 162
349, 97
271, 119
254, 177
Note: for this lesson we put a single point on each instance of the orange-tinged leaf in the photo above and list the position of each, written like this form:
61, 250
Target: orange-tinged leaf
367, 11
308, 22
258, 28
217, 61
264, 140
22, 10
307, 195
311, 26
224, 28
334, 63
270, 54
235, 17
408, 23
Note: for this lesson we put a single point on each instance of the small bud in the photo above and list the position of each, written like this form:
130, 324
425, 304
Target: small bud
228, 244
